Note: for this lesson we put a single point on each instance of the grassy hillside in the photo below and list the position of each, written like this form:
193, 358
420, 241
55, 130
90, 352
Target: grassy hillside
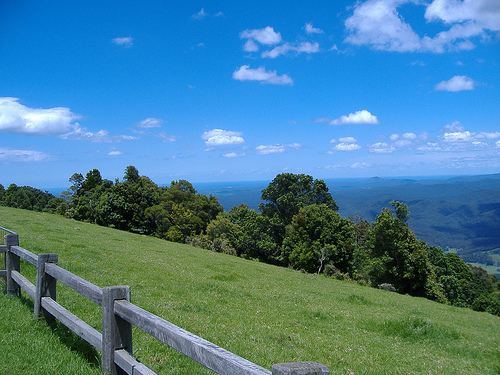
260, 312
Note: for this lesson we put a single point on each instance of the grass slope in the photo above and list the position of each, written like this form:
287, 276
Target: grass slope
263, 313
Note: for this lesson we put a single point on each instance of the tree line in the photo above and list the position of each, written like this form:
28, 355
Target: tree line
297, 226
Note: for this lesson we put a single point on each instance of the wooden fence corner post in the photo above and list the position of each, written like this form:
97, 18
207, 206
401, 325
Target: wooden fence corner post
300, 368
45, 285
116, 332
12, 263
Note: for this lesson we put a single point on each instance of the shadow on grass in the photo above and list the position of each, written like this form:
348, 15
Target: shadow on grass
75, 343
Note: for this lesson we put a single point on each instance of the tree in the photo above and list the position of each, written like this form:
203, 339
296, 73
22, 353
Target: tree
319, 235
287, 194
398, 257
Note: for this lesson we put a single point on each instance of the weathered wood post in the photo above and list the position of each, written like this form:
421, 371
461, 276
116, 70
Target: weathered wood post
300, 368
45, 285
12, 263
116, 332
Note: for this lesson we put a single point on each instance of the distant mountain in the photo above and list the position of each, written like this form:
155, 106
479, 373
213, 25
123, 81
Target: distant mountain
460, 213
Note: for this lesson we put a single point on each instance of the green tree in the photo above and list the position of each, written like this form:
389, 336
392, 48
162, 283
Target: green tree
398, 257
256, 241
287, 194
318, 236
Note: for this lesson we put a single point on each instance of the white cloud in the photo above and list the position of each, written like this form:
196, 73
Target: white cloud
488, 136
381, 148
270, 149
115, 153
102, 136
166, 137
234, 155
465, 136
276, 148
244, 73
17, 118
347, 147
265, 36
359, 117
250, 46
125, 42
219, 137
453, 127
347, 140
149, 123
457, 83
304, 47
403, 143
202, 14
312, 30
7, 154
377, 23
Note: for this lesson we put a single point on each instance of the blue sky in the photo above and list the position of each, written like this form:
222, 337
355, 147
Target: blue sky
236, 91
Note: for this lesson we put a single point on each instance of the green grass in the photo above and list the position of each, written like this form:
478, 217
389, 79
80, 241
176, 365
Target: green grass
263, 313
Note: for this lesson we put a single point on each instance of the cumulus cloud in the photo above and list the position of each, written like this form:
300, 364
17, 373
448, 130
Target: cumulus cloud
381, 148
244, 73
265, 36
312, 30
149, 123
219, 137
457, 83
125, 42
7, 154
455, 126
377, 23
17, 118
359, 117
347, 147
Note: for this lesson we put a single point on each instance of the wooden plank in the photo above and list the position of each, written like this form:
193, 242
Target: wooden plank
3, 273
202, 351
3, 248
82, 286
24, 283
74, 323
131, 365
25, 254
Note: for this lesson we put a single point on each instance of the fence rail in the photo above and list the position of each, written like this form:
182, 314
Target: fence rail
118, 317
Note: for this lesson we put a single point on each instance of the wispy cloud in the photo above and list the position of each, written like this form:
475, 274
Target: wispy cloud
202, 15
457, 83
245, 73
149, 123
12, 155
219, 137
312, 30
231, 155
125, 42
276, 148
102, 136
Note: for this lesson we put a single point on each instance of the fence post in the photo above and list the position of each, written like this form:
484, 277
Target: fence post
12, 263
116, 332
300, 368
45, 285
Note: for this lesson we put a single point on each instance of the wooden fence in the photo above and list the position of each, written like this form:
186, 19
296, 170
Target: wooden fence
118, 317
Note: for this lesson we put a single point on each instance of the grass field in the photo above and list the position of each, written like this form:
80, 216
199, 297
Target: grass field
263, 313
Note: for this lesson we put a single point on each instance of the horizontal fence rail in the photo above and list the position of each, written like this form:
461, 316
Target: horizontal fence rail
118, 317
